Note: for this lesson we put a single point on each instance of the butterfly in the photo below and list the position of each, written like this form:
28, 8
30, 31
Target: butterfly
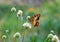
34, 20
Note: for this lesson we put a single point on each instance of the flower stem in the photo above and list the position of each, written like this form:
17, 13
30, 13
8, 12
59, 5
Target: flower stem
4, 40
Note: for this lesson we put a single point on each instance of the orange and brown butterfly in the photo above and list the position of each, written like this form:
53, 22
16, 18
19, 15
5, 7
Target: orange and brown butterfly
34, 20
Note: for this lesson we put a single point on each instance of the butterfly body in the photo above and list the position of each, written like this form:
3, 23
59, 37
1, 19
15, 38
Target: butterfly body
34, 20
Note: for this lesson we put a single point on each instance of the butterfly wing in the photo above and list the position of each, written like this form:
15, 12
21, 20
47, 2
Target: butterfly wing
37, 16
34, 20
31, 20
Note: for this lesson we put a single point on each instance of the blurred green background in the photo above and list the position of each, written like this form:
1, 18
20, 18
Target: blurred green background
49, 20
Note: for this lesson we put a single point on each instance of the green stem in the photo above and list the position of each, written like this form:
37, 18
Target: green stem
23, 39
16, 39
4, 40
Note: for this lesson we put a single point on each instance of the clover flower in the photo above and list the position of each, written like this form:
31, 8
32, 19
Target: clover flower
17, 34
4, 37
27, 25
52, 31
6, 31
19, 13
28, 17
55, 38
50, 36
13, 9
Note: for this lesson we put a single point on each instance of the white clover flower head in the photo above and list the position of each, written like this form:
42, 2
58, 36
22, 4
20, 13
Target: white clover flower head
50, 36
52, 31
27, 25
17, 34
28, 17
59, 41
4, 37
6, 31
19, 13
55, 38
13, 9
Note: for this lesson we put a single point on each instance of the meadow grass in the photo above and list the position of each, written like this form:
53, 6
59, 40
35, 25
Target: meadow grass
49, 20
